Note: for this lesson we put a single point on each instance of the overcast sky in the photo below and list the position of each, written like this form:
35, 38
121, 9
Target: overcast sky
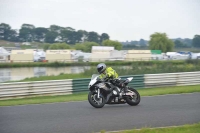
121, 19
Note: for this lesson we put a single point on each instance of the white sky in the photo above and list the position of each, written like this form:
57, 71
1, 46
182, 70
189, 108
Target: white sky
121, 19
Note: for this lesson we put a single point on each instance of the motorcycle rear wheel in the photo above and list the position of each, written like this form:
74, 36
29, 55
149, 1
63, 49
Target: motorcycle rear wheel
134, 100
96, 102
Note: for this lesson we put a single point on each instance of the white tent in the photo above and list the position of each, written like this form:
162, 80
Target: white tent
195, 56
3, 54
39, 55
80, 55
102, 49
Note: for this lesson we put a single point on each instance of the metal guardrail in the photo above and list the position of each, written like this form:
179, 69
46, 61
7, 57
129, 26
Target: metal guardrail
58, 87
22, 89
81, 85
172, 79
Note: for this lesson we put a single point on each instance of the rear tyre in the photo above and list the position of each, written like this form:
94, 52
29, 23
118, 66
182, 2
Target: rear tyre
96, 102
135, 99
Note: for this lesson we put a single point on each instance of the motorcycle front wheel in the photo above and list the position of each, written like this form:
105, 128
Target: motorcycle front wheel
95, 101
135, 99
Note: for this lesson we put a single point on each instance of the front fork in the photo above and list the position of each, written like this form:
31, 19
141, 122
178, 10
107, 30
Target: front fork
98, 93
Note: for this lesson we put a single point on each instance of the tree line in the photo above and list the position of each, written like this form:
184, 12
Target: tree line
53, 34
178, 43
82, 39
162, 42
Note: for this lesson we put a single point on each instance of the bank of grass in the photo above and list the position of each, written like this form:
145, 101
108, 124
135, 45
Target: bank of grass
116, 63
58, 64
189, 128
83, 96
134, 69
59, 77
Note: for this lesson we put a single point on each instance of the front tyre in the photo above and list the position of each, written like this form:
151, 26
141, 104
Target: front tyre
95, 101
134, 99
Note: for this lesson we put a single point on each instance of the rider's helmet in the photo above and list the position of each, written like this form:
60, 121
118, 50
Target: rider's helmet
101, 67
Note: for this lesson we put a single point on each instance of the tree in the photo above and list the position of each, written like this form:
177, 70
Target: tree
89, 45
178, 44
188, 42
86, 46
70, 29
80, 46
115, 44
104, 36
13, 36
59, 46
51, 36
46, 46
71, 37
84, 35
196, 41
56, 28
93, 37
40, 33
160, 41
134, 42
26, 33
142, 42
4, 31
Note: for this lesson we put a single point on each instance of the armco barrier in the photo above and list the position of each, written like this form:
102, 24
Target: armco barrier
172, 79
137, 82
81, 85
57, 87
22, 89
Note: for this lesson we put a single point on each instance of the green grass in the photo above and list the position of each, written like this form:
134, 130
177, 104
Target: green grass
109, 63
192, 128
136, 68
59, 77
83, 96
169, 90
44, 99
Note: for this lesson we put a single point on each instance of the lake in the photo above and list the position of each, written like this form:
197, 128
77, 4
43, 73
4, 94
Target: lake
11, 74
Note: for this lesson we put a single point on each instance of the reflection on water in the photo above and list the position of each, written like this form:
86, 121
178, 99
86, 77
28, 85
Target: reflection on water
10, 74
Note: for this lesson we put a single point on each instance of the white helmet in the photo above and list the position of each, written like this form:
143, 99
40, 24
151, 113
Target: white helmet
101, 67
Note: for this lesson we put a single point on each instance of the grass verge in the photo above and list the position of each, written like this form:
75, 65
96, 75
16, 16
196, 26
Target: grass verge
192, 128
83, 96
109, 63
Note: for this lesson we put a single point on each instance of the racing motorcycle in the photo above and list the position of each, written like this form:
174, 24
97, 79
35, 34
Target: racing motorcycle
105, 91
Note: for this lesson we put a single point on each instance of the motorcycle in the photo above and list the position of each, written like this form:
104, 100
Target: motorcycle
105, 91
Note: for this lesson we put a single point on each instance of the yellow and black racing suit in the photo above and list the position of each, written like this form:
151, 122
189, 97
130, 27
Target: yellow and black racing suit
109, 73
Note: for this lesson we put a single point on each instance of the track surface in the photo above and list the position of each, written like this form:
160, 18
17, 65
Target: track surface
81, 117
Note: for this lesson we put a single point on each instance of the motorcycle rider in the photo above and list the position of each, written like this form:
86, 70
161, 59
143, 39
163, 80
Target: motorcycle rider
108, 72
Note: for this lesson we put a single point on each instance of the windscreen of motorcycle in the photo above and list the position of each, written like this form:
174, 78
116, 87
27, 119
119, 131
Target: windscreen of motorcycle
93, 80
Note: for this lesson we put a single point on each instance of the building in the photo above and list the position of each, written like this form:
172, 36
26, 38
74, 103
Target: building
101, 53
138, 55
78, 55
4, 55
58, 55
9, 49
22, 56
156, 55
118, 54
39, 55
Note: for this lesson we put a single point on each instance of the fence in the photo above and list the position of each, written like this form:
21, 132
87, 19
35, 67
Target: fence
57, 87
172, 79
22, 89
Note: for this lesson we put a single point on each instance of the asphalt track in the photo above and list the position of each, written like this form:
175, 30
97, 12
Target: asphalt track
81, 117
